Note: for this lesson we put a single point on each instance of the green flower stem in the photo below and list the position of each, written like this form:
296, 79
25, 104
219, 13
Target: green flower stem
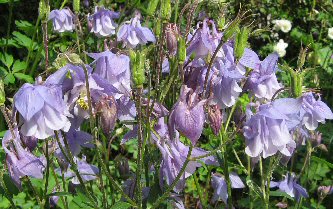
249, 176
70, 159
239, 160
63, 199
140, 142
46, 198
199, 190
34, 192
30, 49
263, 186
166, 194
5, 189
226, 167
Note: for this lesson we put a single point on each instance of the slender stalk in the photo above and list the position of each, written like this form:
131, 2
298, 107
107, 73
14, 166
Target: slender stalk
140, 138
199, 190
174, 183
226, 168
30, 49
239, 160
263, 187
249, 175
5, 189
9, 23
46, 198
63, 200
34, 192
46, 41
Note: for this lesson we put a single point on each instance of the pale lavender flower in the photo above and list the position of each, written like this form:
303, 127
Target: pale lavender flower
20, 162
314, 111
266, 133
289, 185
205, 40
129, 187
187, 115
262, 81
42, 109
87, 172
325, 190
131, 33
102, 22
220, 186
115, 68
62, 20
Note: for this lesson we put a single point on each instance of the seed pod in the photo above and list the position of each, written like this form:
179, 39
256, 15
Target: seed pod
43, 9
301, 58
215, 118
138, 70
296, 84
241, 41
76, 6
107, 110
2, 92
166, 10
171, 33
181, 50
152, 5
157, 29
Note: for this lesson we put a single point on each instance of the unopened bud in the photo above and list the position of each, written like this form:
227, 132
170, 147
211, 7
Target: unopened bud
281, 205
171, 33
215, 118
43, 9
166, 10
181, 50
63, 59
241, 42
323, 191
301, 58
2, 92
296, 84
138, 70
119, 131
152, 5
157, 29
107, 110
76, 6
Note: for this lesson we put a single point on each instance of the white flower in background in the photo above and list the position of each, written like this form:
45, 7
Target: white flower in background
280, 48
330, 33
283, 25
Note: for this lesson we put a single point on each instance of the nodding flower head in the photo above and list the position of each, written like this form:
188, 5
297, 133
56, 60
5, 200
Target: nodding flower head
102, 22
62, 20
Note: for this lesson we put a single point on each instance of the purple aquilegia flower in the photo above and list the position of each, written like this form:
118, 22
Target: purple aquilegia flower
187, 115
266, 132
42, 109
87, 172
20, 162
325, 190
314, 111
132, 33
102, 23
62, 20
262, 81
289, 185
205, 40
220, 186
115, 68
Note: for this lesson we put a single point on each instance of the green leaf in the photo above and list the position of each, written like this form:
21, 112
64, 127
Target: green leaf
3, 71
121, 205
18, 66
6, 1
279, 194
25, 26
24, 40
9, 78
25, 77
7, 59
59, 194
320, 160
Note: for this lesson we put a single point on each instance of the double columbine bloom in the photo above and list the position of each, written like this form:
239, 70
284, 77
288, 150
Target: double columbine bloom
102, 23
62, 20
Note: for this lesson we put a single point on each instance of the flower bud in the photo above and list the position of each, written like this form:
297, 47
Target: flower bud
107, 109
2, 93
157, 29
215, 118
138, 71
43, 10
152, 5
166, 10
323, 191
241, 41
76, 6
181, 50
301, 58
171, 32
63, 59
296, 84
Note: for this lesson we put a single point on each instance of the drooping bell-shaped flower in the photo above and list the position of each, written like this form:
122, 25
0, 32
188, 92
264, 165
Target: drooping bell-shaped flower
20, 161
102, 22
62, 20
131, 33
205, 40
314, 111
220, 186
262, 81
187, 115
267, 132
289, 185
115, 68
42, 109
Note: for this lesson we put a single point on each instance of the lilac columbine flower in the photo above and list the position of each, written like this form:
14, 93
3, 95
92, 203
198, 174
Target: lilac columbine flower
187, 115
42, 109
220, 186
289, 185
87, 172
262, 81
115, 68
266, 133
323, 191
102, 23
205, 40
314, 111
62, 20
20, 162
132, 33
